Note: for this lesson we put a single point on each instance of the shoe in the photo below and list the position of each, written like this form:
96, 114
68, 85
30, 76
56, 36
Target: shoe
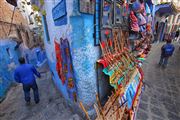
36, 102
164, 66
28, 103
159, 64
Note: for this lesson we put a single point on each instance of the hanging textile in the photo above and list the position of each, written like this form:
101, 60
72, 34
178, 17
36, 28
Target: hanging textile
59, 62
141, 19
68, 68
134, 22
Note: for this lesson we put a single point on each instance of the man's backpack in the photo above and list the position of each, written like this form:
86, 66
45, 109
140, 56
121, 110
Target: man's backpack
168, 50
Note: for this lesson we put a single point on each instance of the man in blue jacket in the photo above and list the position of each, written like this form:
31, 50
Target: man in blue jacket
166, 51
25, 74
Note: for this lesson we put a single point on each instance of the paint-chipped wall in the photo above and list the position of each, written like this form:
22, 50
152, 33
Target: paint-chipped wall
79, 32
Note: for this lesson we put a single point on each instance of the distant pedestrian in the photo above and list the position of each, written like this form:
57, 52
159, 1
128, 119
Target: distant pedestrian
25, 74
166, 52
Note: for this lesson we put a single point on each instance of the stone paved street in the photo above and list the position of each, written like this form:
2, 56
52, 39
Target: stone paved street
161, 98
51, 107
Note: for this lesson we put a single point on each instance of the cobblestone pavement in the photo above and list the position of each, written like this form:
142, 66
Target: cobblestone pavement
52, 105
161, 98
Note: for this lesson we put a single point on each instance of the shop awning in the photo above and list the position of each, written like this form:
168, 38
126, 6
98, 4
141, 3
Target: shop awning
166, 9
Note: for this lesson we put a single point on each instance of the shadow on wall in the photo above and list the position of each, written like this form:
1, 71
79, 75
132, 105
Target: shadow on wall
9, 61
9, 54
35, 56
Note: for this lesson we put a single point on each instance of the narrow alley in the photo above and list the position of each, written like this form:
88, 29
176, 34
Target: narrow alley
161, 98
91, 59
52, 105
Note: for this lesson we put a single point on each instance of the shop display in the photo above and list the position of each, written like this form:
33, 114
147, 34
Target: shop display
124, 76
121, 64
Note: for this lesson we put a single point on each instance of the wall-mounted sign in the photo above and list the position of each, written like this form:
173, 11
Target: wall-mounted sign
59, 13
87, 6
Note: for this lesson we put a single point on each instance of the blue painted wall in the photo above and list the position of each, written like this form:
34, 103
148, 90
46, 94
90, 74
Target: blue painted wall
34, 56
79, 31
8, 62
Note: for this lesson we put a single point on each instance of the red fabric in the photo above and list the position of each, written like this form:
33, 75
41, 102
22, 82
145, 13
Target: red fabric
140, 82
134, 22
110, 43
59, 62
148, 27
103, 44
106, 32
103, 62
126, 8
141, 72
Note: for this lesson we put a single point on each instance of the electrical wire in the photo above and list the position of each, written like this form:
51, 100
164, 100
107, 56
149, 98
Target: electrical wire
11, 20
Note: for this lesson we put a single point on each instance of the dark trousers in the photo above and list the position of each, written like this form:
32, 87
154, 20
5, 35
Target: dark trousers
164, 60
27, 89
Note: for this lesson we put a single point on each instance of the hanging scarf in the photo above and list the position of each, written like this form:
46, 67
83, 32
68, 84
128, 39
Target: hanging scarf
59, 62
134, 22
68, 68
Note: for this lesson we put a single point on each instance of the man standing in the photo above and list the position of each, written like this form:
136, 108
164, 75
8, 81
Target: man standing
25, 74
166, 51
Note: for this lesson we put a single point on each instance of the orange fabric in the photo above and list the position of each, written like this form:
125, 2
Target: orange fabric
59, 62
148, 27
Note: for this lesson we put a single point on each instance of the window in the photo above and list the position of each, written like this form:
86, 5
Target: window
9, 53
59, 13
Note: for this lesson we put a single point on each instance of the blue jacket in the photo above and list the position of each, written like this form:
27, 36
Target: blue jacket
167, 50
25, 74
